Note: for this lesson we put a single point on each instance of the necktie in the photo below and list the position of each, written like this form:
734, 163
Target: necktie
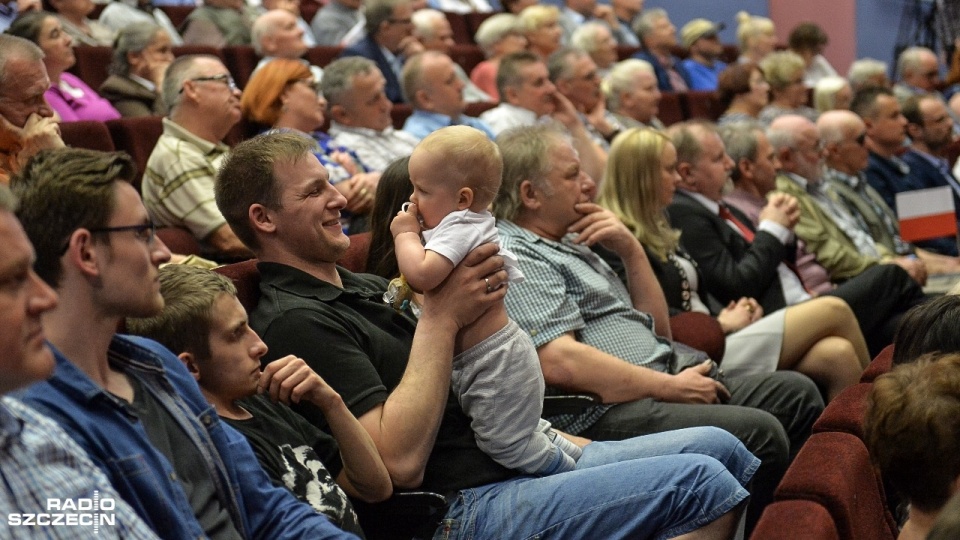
745, 231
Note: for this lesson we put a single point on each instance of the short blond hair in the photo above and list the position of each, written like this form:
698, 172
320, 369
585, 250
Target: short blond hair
469, 158
535, 16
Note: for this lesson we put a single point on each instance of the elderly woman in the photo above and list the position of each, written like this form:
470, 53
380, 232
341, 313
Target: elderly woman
541, 25
70, 97
595, 39
832, 93
284, 95
498, 36
140, 58
820, 337
73, 17
784, 72
743, 92
633, 97
867, 72
756, 35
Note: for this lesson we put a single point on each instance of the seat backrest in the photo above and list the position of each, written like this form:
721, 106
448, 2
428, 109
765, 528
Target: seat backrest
92, 64
179, 240
845, 412
87, 134
137, 137
700, 331
399, 113
795, 520
246, 278
671, 108
177, 14
881, 364
460, 27
323, 54
702, 104
834, 470
467, 56
241, 60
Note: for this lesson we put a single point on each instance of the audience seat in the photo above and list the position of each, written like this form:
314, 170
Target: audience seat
702, 104
323, 55
241, 60
460, 27
179, 240
474, 20
467, 56
479, 107
355, 259
309, 8
845, 412
626, 51
92, 64
87, 134
137, 137
399, 113
834, 470
671, 108
177, 14
700, 331
730, 54
795, 520
881, 364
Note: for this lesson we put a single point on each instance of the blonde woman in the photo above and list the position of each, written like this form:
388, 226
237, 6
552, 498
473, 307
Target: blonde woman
784, 72
541, 26
756, 35
819, 338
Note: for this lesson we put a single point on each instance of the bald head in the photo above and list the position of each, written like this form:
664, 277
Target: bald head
276, 33
843, 134
796, 141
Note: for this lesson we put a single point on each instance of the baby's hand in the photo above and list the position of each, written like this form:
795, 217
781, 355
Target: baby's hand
407, 220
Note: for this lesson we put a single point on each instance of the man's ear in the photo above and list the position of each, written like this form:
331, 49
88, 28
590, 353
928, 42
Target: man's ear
421, 99
785, 155
745, 167
190, 361
261, 218
464, 198
511, 95
914, 131
339, 113
529, 195
80, 253
684, 168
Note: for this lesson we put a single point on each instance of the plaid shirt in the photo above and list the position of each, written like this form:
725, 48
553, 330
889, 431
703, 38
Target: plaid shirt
178, 183
377, 149
38, 461
569, 289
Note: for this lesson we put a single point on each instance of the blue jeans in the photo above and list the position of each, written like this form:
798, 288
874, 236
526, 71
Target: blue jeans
655, 486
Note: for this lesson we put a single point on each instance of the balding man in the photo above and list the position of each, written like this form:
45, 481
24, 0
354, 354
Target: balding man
276, 34
177, 186
632, 94
432, 29
431, 85
918, 72
388, 41
828, 230
293, 6
27, 123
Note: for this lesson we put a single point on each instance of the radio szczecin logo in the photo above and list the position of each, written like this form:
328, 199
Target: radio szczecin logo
80, 512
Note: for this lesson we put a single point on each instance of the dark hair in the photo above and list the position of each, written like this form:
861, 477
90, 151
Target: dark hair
63, 190
393, 190
735, 80
931, 327
29, 25
864, 102
807, 36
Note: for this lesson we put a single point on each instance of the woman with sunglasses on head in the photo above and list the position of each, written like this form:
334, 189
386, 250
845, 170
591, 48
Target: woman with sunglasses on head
70, 97
819, 338
284, 95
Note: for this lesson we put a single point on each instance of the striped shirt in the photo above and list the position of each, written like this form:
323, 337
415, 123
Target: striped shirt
568, 289
178, 183
39, 462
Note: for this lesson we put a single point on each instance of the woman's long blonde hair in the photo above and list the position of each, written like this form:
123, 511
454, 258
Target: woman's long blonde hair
631, 188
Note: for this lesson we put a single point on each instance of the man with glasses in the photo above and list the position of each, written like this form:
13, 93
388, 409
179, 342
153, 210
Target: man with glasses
389, 41
130, 403
27, 123
577, 78
177, 187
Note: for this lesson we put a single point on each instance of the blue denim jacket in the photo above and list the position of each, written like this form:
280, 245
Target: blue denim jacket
115, 440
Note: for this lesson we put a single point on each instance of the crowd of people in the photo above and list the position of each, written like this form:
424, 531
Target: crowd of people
550, 245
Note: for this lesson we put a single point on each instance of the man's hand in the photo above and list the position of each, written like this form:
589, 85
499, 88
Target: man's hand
692, 385
475, 285
38, 133
410, 46
360, 191
564, 112
290, 380
782, 209
605, 13
915, 267
599, 225
406, 221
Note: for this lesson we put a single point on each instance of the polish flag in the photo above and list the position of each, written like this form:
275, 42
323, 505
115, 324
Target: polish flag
926, 213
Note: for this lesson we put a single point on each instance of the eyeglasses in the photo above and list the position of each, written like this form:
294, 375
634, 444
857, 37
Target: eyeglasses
311, 84
225, 78
145, 232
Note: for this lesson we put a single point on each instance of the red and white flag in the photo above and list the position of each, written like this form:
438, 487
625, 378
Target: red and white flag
926, 213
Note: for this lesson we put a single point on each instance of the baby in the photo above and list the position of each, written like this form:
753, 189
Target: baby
456, 173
